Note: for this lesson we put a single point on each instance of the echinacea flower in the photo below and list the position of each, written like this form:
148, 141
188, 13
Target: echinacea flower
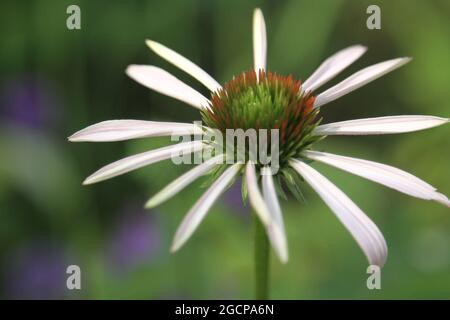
261, 99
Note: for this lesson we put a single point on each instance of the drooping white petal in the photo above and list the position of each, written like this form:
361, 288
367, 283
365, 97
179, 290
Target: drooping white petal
332, 66
181, 182
119, 130
254, 195
380, 125
271, 199
184, 64
142, 159
201, 207
259, 41
275, 233
359, 79
163, 82
363, 230
386, 175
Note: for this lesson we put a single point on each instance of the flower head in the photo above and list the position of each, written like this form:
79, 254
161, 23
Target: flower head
262, 100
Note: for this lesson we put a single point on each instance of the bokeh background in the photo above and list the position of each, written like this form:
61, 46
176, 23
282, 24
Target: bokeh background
55, 81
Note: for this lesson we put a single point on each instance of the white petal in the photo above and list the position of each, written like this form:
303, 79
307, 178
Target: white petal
185, 65
274, 231
271, 199
359, 79
256, 200
201, 207
181, 182
380, 125
119, 130
332, 66
163, 82
142, 159
386, 175
363, 230
259, 41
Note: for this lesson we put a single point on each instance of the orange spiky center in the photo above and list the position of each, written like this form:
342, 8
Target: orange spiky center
267, 101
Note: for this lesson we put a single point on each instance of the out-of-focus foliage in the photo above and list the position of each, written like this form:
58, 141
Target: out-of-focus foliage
55, 81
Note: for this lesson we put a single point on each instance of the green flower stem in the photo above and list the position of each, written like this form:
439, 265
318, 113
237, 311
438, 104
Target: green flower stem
261, 260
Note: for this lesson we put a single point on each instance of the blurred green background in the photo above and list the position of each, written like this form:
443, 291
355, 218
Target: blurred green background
55, 81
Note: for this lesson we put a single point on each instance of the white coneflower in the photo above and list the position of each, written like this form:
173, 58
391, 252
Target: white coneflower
260, 99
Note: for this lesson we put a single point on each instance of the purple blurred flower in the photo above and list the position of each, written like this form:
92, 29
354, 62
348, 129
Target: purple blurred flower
135, 241
27, 101
233, 199
36, 272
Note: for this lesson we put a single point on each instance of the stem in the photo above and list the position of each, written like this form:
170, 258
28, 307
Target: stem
261, 260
